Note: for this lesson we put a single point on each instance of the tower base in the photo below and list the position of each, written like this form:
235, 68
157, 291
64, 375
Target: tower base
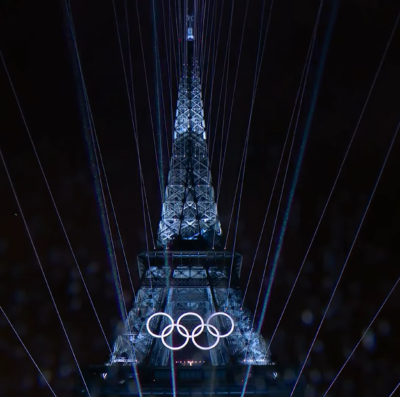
190, 380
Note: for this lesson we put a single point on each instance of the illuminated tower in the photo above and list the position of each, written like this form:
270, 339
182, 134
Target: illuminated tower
188, 273
190, 281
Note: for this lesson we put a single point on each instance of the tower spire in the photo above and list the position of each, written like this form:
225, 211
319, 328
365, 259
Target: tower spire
189, 211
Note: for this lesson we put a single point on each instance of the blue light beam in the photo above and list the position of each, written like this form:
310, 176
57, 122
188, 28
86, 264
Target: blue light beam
306, 133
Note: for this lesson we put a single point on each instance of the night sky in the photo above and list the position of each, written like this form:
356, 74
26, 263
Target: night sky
37, 48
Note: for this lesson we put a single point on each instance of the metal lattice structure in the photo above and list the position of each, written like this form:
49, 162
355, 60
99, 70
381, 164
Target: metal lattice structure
189, 210
188, 273
190, 282
178, 282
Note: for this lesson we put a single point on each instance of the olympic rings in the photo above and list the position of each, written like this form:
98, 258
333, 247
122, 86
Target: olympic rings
182, 330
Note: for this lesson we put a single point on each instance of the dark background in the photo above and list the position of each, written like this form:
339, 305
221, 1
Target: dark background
36, 46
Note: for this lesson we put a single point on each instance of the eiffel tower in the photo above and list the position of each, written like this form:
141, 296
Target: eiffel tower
188, 281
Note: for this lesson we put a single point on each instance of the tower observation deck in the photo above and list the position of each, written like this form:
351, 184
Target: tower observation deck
188, 281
